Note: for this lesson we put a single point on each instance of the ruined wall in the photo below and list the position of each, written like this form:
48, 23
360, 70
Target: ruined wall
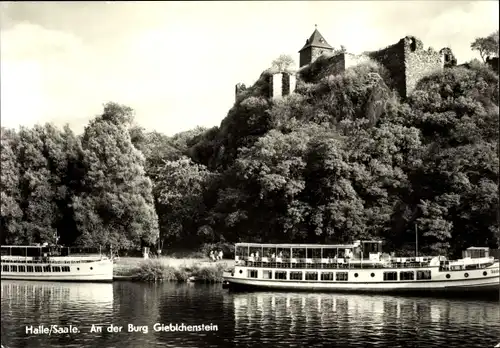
407, 62
275, 85
336, 65
493, 63
305, 57
392, 58
281, 84
354, 59
418, 62
240, 87
448, 58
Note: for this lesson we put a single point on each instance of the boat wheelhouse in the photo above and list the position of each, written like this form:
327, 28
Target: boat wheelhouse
55, 264
360, 266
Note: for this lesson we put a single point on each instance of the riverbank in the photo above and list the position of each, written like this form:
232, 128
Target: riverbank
171, 269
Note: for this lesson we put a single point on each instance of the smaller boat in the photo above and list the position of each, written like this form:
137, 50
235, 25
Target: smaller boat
55, 263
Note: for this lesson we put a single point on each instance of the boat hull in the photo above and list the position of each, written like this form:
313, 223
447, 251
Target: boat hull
485, 280
492, 286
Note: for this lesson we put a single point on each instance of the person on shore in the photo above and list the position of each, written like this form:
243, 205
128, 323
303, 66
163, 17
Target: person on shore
221, 255
212, 256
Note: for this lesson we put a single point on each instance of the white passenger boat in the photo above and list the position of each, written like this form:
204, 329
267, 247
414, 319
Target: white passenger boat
358, 267
54, 264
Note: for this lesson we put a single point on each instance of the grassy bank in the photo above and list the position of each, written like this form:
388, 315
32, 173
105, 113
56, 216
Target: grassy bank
171, 269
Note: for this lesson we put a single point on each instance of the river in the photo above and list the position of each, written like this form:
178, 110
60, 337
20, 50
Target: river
32, 310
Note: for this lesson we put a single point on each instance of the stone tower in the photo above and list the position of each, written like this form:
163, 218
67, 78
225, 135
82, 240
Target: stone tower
315, 46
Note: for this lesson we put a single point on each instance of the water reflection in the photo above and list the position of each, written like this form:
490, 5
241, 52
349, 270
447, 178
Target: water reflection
361, 321
243, 319
30, 304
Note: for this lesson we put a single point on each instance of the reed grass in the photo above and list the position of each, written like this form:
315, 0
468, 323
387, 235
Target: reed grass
171, 269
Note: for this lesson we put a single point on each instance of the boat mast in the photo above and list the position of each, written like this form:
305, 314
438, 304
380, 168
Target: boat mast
416, 240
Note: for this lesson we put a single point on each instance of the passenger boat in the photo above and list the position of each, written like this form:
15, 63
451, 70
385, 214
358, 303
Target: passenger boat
54, 264
358, 267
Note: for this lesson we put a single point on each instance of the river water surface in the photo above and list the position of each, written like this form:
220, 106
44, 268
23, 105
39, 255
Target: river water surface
260, 319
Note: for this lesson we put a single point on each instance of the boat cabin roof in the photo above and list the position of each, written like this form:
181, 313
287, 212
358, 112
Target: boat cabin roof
302, 246
478, 248
26, 246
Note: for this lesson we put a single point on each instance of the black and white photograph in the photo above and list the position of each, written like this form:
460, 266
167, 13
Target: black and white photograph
229, 174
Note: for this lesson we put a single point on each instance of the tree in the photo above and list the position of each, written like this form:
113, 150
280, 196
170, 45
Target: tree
283, 63
11, 213
116, 206
179, 188
38, 196
486, 46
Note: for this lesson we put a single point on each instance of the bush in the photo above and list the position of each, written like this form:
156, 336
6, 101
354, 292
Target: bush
211, 274
152, 270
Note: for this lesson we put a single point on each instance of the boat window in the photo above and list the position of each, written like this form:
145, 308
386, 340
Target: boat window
46, 268
38, 268
342, 276
13, 268
252, 273
295, 275
22, 268
5, 268
56, 269
65, 268
390, 275
267, 274
280, 275
327, 276
407, 275
311, 275
29, 268
423, 275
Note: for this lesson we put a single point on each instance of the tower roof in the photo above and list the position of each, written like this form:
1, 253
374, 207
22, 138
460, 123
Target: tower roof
316, 40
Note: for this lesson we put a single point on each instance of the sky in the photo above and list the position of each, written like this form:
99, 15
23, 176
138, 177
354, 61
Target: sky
176, 63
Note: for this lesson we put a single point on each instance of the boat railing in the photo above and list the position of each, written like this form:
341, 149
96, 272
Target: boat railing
327, 263
466, 264
51, 260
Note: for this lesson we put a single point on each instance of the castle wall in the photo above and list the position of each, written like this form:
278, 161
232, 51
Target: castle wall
354, 59
282, 84
293, 83
336, 65
448, 58
276, 85
493, 63
392, 58
419, 62
407, 63
305, 57
240, 87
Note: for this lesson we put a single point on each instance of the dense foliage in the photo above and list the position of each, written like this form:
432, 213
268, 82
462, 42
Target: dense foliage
343, 158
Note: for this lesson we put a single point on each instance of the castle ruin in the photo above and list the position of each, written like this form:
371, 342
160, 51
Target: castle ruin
406, 61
